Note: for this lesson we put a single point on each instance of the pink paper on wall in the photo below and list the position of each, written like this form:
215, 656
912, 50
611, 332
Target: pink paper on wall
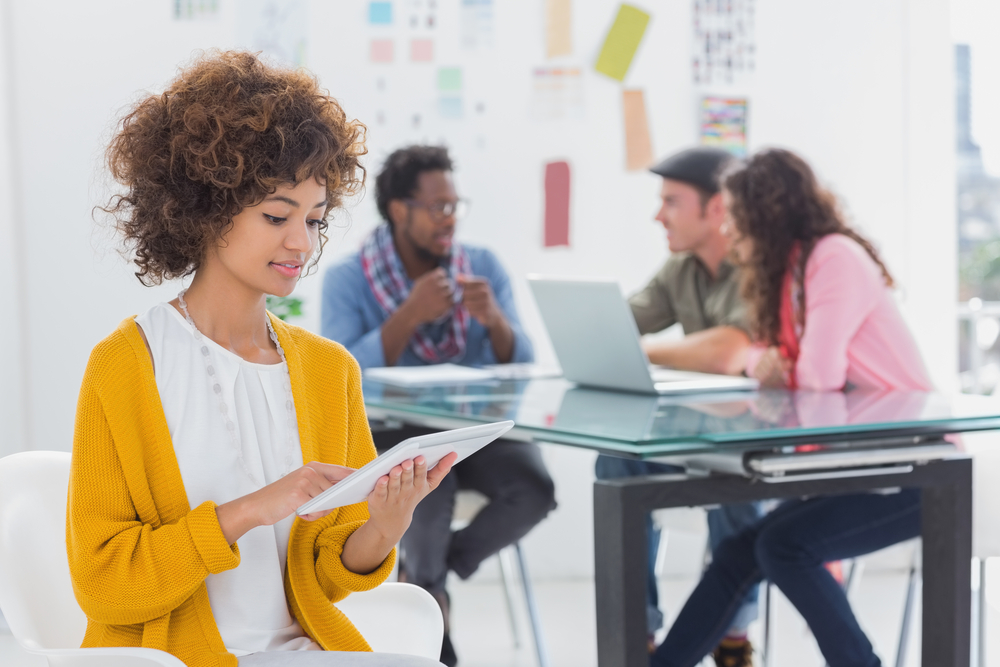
381, 51
557, 180
421, 50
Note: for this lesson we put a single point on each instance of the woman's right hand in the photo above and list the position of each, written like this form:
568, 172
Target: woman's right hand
773, 370
279, 499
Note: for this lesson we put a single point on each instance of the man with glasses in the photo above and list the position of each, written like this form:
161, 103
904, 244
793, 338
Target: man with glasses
414, 296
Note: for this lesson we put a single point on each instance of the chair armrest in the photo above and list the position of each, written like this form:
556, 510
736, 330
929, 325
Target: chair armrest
107, 657
397, 618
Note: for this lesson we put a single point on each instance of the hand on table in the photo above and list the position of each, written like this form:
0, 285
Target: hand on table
773, 370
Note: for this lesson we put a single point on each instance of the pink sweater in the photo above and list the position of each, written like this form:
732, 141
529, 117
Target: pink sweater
854, 333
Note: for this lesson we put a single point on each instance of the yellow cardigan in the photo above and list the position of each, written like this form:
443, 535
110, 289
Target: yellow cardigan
139, 554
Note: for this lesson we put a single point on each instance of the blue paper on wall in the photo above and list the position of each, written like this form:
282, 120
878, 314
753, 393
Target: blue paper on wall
380, 13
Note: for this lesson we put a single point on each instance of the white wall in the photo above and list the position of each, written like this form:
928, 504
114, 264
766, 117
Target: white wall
12, 263
862, 89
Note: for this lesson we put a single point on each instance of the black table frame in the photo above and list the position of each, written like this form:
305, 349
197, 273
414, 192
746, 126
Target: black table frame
621, 506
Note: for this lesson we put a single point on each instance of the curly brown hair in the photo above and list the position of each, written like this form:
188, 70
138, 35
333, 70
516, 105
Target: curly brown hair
225, 134
776, 201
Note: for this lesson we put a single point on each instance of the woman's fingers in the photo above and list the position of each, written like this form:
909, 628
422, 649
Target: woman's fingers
406, 477
419, 471
333, 473
436, 474
394, 480
381, 490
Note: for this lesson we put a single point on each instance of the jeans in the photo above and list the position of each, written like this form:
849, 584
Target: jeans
722, 522
789, 547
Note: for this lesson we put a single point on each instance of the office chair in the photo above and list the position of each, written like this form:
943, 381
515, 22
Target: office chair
468, 503
37, 599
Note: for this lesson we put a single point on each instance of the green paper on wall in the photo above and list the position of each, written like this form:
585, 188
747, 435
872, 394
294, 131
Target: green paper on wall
622, 41
449, 79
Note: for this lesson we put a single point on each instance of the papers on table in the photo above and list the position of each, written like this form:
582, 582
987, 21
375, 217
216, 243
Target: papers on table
523, 371
412, 376
438, 374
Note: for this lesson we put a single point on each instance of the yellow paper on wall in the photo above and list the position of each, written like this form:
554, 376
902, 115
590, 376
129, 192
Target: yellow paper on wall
638, 146
558, 37
622, 42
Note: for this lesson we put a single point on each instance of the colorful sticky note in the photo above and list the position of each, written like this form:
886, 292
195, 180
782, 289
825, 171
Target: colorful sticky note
450, 106
421, 50
638, 147
381, 51
622, 42
558, 35
449, 79
557, 180
380, 13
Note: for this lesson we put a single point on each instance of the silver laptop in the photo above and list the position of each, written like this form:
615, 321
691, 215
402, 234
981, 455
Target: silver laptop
597, 343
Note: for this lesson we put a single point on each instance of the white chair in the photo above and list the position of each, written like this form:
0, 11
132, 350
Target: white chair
38, 602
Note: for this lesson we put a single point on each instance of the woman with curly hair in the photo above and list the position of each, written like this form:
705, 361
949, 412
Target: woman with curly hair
204, 422
824, 318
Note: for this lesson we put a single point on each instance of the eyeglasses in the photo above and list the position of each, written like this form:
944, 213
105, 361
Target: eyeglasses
442, 210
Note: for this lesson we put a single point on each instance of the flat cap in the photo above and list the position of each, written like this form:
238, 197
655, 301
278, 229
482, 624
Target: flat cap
696, 166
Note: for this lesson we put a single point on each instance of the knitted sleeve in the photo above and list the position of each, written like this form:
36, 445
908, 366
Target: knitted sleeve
337, 581
126, 570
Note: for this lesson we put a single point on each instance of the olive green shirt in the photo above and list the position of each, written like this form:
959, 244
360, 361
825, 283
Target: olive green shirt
684, 291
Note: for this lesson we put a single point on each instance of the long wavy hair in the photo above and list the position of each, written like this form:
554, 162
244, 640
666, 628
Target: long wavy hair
776, 202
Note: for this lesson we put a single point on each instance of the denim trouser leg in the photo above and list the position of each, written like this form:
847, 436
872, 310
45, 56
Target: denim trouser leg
789, 547
722, 523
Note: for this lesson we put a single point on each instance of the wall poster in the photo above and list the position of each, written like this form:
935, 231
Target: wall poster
724, 47
724, 124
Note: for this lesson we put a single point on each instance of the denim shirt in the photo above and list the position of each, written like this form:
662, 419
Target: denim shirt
352, 317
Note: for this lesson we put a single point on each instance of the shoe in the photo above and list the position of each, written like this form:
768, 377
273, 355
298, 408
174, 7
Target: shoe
733, 653
448, 656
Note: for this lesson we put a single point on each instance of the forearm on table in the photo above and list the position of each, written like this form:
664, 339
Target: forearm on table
721, 349
502, 341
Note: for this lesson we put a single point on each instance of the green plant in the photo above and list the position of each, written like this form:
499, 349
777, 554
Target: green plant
284, 307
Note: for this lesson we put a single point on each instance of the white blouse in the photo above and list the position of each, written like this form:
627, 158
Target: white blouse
248, 602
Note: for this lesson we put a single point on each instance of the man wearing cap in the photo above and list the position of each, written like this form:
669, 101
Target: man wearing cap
696, 286
699, 288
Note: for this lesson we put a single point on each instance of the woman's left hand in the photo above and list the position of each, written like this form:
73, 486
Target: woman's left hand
773, 370
391, 503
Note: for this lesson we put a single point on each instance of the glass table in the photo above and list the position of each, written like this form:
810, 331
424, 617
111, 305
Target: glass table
735, 427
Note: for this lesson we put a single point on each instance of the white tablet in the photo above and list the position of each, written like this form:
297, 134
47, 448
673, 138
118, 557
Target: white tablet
356, 487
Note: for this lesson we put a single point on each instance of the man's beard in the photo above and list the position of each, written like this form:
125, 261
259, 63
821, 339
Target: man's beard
425, 254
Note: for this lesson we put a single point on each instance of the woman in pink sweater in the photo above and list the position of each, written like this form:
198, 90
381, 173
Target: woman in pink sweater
824, 318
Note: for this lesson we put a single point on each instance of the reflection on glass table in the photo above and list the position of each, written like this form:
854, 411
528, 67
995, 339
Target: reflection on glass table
643, 426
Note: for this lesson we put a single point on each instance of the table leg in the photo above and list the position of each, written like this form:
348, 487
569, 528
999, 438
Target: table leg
620, 507
946, 512
620, 559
